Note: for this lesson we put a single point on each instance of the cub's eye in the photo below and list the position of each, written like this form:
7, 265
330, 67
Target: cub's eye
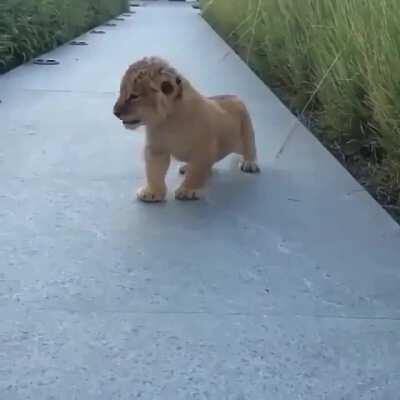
133, 97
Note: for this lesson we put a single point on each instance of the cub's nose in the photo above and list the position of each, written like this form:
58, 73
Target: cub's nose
117, 112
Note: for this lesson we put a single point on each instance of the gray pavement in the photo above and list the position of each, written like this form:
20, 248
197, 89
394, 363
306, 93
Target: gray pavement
278, 286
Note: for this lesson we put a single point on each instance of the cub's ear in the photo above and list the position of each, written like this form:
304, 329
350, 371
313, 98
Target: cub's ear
167, 88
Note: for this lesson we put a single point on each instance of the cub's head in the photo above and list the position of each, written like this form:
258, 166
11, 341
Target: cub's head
149, 91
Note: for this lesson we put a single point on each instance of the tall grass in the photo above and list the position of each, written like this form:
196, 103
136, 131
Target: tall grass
29, 27
349, 50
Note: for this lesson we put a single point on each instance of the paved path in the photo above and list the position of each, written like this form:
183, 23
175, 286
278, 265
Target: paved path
278, 286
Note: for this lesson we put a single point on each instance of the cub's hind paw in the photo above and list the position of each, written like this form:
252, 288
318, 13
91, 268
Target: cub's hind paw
250, 167
182, 169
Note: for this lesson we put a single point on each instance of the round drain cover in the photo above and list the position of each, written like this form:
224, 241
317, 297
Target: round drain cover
78, 43
45, 61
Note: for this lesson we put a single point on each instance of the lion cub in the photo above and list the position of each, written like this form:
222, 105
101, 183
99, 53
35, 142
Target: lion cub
183, 124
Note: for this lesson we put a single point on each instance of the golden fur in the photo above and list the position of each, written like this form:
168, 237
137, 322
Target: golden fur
183, 124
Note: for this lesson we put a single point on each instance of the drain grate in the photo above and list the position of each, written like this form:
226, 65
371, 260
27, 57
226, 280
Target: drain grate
78, 43
109, 24
45, 61
97, 31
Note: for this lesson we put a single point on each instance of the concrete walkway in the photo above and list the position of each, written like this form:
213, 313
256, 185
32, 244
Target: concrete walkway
280, 286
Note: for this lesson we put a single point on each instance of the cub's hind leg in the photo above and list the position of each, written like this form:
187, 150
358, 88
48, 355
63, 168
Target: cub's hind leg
249, 162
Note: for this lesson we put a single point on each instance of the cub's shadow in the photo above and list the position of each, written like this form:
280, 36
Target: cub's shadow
229, 194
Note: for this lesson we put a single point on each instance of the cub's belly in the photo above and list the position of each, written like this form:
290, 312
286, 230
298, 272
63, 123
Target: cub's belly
181, 156
181, 151
211, 148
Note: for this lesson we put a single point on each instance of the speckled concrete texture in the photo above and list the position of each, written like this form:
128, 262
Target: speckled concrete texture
280, 286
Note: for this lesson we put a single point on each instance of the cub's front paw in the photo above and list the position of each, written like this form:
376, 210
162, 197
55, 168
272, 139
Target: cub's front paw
187, 194
249, 167
149, 196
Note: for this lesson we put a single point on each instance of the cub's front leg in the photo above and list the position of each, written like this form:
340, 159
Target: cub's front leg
157, 163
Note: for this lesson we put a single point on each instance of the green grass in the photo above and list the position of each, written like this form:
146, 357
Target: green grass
339, 62
30, 27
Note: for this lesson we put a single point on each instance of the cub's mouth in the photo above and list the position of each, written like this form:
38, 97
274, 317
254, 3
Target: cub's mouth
132, 122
